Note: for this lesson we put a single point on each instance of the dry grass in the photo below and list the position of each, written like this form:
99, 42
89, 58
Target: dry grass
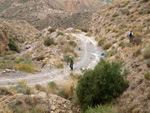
25, 67
60, 65
107, 45
67, 89
146, 53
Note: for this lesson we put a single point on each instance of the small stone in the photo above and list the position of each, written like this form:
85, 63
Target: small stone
53, 108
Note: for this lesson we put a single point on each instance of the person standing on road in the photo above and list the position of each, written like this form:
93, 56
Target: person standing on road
71, 62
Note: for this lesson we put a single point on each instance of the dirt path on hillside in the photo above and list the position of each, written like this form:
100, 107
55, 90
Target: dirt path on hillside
89, 57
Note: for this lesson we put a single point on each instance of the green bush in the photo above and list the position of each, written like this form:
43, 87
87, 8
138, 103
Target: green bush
52, 85
100, 85
48, 41
13, 46
147, 75
60, 33
146, 53
72, 43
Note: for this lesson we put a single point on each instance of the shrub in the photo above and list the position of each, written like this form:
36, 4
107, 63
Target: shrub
66, 58
60, 33
13, 46
51, 30
122, 45
101, 109
60, 65
52, 85
148, 63
21, 90
101, 42
39, 87
48, 41
25, 67
115, 14
107, 45
100, 85
18, 60
146, 53
147, 75
137, 52
72, 43
63, 94
5, 91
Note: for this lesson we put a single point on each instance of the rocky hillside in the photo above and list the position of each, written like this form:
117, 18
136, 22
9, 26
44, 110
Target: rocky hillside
82, 5
20, 31
42, 13
111, 26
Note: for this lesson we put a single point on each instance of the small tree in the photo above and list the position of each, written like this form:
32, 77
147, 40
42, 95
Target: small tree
48, 41
101, 84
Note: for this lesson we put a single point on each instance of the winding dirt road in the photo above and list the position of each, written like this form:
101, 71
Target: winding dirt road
90, 55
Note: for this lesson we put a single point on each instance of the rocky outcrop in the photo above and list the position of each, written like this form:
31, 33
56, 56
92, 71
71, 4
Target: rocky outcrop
44, 102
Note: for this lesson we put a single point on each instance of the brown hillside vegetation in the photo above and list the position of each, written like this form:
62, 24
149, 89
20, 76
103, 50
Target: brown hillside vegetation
111, 26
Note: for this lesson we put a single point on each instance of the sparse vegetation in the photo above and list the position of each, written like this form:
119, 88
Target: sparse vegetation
23, 88
101, 109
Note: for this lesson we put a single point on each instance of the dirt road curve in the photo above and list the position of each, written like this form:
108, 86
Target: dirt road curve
90, 55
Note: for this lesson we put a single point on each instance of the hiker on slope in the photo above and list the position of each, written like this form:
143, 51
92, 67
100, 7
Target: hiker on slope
131, 36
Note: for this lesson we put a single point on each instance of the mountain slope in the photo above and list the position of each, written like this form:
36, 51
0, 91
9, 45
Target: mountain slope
111, 26
42, 13
20, 30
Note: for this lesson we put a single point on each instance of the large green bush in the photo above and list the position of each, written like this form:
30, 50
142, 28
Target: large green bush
100, 85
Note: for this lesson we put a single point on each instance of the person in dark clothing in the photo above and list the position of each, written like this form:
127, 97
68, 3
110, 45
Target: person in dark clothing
71, 62
131, 36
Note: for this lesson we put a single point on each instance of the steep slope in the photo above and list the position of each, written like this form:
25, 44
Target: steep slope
111, 26
42, 13
3, 41
20, 30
